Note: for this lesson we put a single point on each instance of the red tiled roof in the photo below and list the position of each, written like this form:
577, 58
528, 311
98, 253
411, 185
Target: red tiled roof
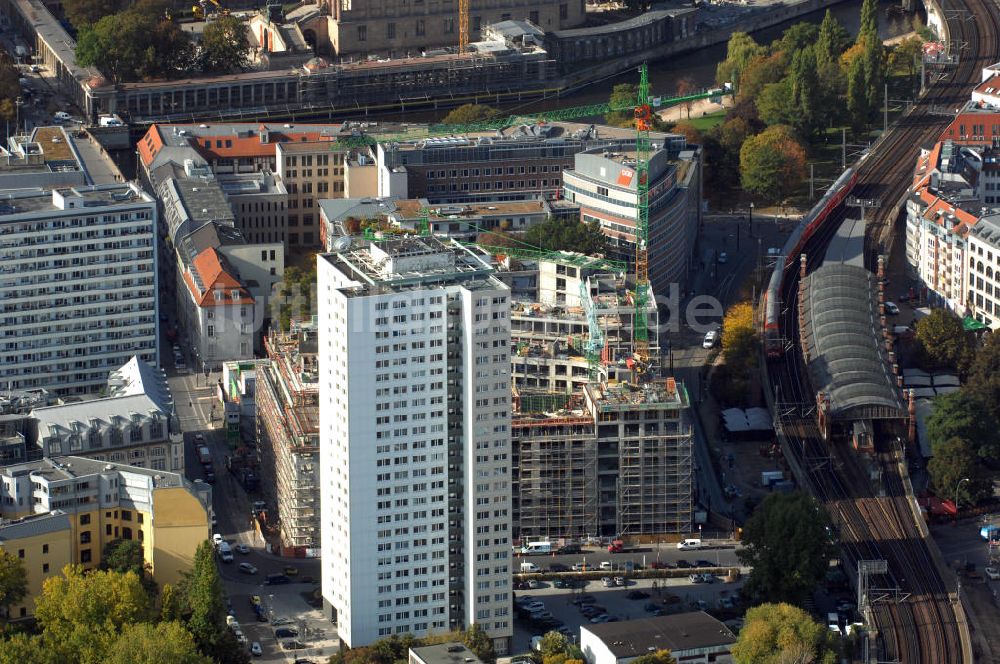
990, 85
214, 276
229, 146
150, 144
987, 120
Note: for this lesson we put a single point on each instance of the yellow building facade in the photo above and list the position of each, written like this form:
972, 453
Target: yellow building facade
67, 509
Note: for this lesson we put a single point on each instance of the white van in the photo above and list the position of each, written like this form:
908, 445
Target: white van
536, 548
689, 544
61, 116
529, 567
833, 623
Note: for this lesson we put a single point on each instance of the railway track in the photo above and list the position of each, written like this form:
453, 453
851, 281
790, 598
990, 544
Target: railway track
917, 623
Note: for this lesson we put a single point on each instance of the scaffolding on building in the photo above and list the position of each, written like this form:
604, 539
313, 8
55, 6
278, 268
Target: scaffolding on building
288, 428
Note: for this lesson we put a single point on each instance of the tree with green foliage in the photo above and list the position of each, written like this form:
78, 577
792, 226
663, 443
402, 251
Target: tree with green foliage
203, 598
786, 543
470, 114
782, 633
623, 95
857, 94
772, 163
82, 13
225, 47
874, 68
806, 94
963, 414
943, 340
740, 52
82, 614
162, 643
21, 648
171, 603
869, 20
761, 72
796, 37
955, 460
567, 234
126, 556
13, 581
132, 45
478, 641
774, 103
553, 643
658, 657
905, 55
984, 374
832, 40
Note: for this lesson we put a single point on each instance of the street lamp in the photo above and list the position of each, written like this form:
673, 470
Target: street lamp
964, 479
18, 103
750, 221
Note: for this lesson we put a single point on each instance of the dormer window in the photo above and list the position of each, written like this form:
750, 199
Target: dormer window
234, 294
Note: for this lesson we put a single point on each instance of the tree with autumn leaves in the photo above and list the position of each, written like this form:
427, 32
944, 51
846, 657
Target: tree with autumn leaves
772, 163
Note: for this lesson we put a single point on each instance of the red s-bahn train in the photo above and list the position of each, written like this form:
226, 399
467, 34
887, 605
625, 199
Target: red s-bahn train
811, 222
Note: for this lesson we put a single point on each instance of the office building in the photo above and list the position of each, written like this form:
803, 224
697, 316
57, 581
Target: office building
67, 509
414, 440
288, 434
78, 285
613, 461
603, 183
134, 423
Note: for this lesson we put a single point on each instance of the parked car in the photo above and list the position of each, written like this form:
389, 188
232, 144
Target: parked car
695, 578
607, 582
993, 573
603, 618
708, 578
891, 309
533, 607
281, 620
568, 549
255, 649
276, 580
558, 567
661, 564
581, 567
291, 571
292, 645
637, 594
620, 581
242, 548
247, 568
534, 584
683, 564
711, 338
726, 603
285, 633
723, 257
217, 539
607, 564
704, 563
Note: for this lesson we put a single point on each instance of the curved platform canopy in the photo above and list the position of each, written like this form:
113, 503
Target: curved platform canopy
843, 336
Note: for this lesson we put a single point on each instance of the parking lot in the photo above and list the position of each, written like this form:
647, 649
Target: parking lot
675, 595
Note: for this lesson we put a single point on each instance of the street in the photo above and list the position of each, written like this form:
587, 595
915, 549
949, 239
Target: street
194, 399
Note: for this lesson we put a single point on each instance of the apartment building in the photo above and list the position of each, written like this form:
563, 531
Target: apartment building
288, 434
604, 184
414, 440
67, 509
134, 424
291, 166
16, 425
617, 461
310, 171
401, 29
78, 285
217, 309
982, 296
946, 203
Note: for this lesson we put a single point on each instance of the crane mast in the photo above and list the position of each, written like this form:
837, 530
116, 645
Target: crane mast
643, 124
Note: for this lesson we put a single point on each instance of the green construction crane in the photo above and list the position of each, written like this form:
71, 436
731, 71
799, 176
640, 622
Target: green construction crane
360, 138
643, 123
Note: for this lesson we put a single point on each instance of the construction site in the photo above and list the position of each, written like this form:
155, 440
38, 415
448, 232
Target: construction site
615, 462
288, 435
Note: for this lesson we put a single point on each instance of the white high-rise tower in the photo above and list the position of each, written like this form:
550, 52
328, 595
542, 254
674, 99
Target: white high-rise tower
414, 440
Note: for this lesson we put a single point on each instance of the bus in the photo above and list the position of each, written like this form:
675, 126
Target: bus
536, 548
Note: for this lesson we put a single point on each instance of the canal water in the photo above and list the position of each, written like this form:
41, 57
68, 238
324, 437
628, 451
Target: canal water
699, 65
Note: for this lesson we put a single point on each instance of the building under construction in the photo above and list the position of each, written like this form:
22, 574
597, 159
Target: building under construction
288, 431
616, 462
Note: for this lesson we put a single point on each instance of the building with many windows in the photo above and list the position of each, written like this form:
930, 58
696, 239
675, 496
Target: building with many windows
414, 440
134, 424
603, 183
78, 285
288, 433
616, 461
66, 509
